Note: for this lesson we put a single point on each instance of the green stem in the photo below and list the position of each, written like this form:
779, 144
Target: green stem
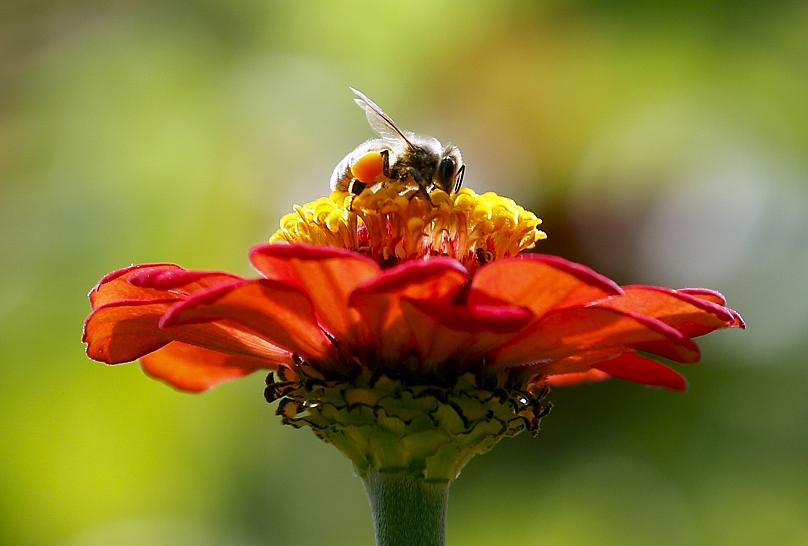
407, 509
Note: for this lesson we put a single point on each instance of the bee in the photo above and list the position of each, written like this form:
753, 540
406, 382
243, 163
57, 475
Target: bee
416, 161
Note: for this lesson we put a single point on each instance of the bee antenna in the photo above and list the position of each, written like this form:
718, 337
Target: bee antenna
377, 118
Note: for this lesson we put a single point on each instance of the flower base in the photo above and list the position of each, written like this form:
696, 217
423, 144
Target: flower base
388, 425
408, 439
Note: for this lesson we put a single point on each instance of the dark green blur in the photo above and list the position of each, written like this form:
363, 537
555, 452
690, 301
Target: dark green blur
663, 144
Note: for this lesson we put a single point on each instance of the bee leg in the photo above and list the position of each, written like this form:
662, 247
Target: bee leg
421, 184
422, 190
355, 187
459, 180
385, 162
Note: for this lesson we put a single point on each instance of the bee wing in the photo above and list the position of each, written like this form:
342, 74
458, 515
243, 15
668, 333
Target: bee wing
380, 122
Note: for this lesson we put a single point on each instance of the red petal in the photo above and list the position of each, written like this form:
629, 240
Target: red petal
379, 300
499, 319
579, 362
690, 315
565, 379
738, 321
277, 312
327, 275
195, 369
153, 281
717, 298
123, 331
705, 294
115, 286
460, 332
438, 278
539, 282
179, 281
632, 367
579, 330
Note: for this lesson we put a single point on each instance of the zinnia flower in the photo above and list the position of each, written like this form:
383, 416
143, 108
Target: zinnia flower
411, 335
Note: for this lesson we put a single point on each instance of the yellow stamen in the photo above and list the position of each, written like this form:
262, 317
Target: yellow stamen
392, 223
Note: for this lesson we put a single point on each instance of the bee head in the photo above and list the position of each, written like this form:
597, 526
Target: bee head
448, 175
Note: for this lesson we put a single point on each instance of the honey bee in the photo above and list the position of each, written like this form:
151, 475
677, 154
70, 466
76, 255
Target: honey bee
416, 161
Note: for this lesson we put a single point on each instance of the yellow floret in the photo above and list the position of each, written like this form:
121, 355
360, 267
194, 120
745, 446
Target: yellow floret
393, 222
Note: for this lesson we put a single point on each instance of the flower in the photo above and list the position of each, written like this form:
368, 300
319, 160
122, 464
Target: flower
411, 334
408, 330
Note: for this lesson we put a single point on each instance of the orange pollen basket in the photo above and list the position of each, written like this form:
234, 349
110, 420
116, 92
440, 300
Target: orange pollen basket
369, 168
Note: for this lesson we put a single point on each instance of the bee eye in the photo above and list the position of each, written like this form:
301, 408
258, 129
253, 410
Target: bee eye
446, 169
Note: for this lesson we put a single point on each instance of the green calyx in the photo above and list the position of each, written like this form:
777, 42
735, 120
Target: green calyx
384, 424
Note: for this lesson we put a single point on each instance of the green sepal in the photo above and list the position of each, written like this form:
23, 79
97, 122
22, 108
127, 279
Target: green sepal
384, 424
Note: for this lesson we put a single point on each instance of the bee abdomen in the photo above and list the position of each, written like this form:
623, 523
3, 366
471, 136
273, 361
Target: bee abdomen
341, 177
365, 163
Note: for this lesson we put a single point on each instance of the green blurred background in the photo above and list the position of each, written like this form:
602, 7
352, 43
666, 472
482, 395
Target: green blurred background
663, 144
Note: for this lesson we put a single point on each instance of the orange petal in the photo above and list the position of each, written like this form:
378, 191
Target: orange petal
379, 300
717, 298
195, 369
706, 294
579, 330
115, 286
277, 312
632, 367
327, 275
153, 281
579, 362
123, 331
539, 282
565, 379
461, 332
228, 337
689, 314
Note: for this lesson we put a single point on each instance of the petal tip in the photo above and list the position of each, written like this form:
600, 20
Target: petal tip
581, 272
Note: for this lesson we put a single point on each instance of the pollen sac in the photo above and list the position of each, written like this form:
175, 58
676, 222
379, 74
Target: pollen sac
369, 168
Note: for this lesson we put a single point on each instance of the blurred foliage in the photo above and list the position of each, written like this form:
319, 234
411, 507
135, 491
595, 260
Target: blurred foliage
662, 143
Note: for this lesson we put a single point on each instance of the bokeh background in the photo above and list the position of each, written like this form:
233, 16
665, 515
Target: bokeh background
662, 143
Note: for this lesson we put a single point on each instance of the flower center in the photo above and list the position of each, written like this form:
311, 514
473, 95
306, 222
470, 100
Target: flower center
391, 224
386, 425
